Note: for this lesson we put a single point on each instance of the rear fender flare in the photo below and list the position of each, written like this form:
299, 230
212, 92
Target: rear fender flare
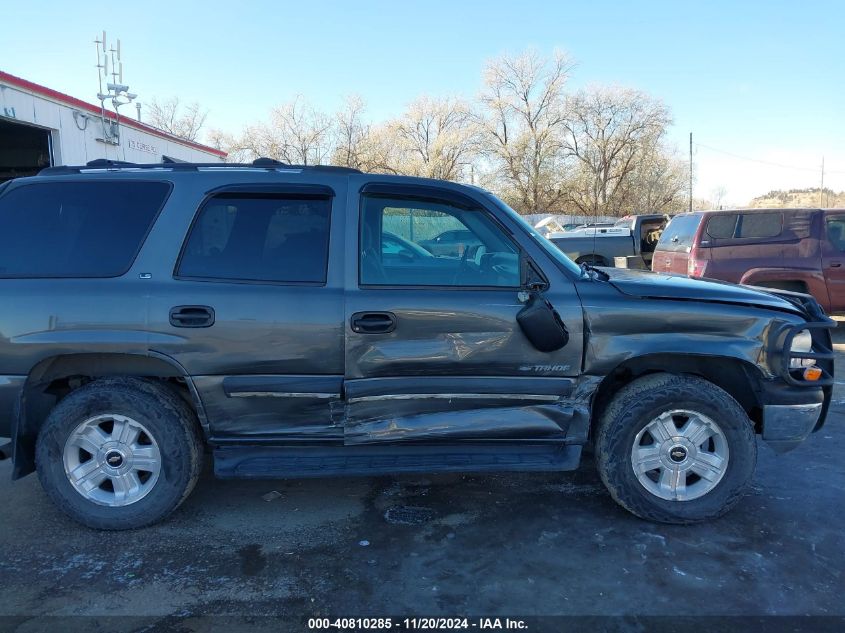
34, 404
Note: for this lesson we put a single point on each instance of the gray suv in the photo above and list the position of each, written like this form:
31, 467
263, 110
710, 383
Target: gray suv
262, 316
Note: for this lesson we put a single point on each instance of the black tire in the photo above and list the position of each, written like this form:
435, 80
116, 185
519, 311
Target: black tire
643, 400
170, 420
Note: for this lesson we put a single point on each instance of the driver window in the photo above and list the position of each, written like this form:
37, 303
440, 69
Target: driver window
406, 242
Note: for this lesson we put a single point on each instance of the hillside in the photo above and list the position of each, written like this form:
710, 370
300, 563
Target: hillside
798, 198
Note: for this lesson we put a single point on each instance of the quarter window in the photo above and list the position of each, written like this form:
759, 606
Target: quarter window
421, 243
261, 237
76, 229
759, 225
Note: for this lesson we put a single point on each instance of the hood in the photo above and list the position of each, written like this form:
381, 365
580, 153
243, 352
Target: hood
647, 284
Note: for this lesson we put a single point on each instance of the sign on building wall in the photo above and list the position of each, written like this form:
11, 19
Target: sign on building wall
142, 147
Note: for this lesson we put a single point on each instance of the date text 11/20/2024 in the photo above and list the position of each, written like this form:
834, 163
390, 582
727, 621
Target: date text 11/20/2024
430, 624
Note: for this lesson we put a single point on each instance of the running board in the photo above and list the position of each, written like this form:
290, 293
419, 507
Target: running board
268, 462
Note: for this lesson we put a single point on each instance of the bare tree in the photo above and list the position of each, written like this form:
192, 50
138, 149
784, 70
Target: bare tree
718, 195
233, 146
523, 125
184, 121
296, 134
599, 151
381, 151
437, 138
352, 134
362, 146
659, 182
610, 131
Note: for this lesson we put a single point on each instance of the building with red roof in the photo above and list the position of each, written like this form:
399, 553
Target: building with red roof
40, 127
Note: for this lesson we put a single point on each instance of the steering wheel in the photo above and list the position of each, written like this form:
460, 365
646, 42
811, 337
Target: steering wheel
462, 267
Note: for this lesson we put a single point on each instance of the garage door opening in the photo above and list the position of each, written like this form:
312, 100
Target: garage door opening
24, 150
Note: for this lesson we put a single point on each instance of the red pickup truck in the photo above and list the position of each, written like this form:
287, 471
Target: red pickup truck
792, 249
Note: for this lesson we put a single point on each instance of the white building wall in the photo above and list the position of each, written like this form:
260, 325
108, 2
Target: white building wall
75, 135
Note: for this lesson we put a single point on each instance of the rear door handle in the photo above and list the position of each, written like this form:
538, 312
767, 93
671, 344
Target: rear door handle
835, 264
373, 322
192, 316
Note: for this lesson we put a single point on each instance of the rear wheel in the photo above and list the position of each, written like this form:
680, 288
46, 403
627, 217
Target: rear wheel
675, 449
119, 453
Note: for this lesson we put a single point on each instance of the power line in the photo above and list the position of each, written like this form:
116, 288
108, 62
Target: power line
766, 162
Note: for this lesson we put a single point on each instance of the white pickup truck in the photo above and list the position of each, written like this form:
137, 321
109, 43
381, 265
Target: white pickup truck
632, 235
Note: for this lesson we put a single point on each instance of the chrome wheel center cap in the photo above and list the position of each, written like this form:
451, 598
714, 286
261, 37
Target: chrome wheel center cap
677, 454
114, 459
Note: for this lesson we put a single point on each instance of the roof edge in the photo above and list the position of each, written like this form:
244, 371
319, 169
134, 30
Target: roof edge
55, 95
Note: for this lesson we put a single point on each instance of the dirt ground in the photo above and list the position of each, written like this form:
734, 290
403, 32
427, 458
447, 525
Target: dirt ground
511, 544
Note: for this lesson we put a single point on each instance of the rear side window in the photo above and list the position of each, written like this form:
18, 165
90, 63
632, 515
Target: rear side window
76, 229
259, 237
745, 226
678, 234
722, 226
759, 225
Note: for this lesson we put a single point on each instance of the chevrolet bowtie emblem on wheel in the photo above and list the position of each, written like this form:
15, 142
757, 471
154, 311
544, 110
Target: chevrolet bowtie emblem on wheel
678, 454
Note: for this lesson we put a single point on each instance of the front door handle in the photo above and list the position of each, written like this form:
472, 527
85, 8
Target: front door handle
373, 322
192, 316
835, 264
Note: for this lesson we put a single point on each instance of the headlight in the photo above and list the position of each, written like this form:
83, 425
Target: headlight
803, 342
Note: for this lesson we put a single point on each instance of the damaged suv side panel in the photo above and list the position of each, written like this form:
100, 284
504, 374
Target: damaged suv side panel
291, 320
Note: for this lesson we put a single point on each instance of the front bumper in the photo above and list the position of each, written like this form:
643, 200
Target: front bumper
792, 406
785, 426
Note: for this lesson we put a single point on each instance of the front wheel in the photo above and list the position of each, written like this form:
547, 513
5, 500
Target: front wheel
675, 449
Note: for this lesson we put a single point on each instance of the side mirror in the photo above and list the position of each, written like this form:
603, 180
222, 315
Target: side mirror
542, 325
532, 281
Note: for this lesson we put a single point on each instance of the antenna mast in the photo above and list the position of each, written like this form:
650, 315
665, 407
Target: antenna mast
690, 172
116, 91
821, 189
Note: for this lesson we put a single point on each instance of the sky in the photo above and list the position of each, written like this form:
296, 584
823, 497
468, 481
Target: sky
761, 85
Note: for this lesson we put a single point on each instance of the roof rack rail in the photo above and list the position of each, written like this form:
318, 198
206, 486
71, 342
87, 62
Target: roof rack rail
178, 165
266, 162
107, 162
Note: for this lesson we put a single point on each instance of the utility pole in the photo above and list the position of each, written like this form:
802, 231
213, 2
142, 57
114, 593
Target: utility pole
690, 172
821, 189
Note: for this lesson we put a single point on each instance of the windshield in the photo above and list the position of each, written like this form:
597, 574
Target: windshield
556, 254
